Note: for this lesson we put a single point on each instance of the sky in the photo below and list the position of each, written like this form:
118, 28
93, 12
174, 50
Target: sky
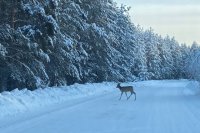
178, 18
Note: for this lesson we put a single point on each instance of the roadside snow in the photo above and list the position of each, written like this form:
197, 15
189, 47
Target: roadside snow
19, 101
194, 88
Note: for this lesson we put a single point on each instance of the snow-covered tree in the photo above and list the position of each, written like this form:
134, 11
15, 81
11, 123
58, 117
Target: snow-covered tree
193, 62
152, 54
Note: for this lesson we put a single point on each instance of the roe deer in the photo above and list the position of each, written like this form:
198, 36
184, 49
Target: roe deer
126, 89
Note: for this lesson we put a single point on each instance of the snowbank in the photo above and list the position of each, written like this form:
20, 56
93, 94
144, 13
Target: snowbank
194, 88
16, 101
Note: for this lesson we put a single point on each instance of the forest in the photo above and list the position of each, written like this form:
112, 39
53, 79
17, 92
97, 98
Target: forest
62, 42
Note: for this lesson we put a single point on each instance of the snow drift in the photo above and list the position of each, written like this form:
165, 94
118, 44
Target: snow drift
16, 101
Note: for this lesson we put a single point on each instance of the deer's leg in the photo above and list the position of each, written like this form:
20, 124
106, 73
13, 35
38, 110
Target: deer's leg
121, 96
126, 95
130, 95
135, 95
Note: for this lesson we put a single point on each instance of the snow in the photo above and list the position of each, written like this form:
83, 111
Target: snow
167, 106
3, 51
20, 101
43, 55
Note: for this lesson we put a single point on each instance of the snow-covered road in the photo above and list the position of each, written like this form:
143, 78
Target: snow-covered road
161, 107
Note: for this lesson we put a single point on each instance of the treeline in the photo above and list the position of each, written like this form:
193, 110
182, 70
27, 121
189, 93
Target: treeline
192, 62
60, 42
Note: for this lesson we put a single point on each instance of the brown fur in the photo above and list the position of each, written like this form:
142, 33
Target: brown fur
126, 89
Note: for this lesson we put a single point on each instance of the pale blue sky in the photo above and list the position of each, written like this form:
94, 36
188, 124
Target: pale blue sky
179, 18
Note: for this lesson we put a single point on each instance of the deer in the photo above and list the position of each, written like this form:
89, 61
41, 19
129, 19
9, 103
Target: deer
126, 89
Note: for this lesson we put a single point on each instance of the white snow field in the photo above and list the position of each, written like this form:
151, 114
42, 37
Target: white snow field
168, 106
